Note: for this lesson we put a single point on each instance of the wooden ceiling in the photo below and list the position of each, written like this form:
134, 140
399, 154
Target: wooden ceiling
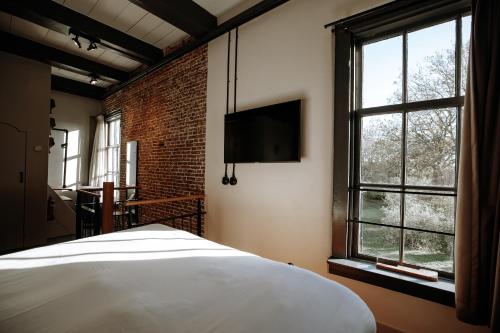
130, 36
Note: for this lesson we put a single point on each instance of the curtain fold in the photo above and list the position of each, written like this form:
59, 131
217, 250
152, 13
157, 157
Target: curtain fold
98, 161
477, 252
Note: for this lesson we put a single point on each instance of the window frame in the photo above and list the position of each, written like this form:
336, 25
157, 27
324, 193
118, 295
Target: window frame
114, 175
456, 102
349, 36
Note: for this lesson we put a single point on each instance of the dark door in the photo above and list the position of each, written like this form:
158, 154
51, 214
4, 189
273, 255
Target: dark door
12, 177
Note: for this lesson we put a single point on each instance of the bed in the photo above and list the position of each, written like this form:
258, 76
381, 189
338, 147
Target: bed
159, 279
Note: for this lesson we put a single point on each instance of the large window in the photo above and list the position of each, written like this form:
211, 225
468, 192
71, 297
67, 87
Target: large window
113, 150
407, 95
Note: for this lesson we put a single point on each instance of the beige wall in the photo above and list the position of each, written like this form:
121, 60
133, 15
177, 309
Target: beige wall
283, 211
74, 114
24, 103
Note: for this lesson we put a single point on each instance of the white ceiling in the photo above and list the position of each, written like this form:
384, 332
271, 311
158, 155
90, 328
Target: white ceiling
119, 14
218, 7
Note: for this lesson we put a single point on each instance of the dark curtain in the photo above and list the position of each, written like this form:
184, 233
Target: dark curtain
478, 211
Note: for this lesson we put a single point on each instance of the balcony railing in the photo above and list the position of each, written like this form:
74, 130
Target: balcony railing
98, 212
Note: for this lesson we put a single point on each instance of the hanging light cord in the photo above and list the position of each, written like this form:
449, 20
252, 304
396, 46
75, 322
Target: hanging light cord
235, 68
228, 68
233, 179
225, 179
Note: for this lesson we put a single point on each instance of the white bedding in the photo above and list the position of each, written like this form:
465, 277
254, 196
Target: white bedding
159, 279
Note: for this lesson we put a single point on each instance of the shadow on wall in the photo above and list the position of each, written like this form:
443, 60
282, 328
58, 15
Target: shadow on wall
73, 163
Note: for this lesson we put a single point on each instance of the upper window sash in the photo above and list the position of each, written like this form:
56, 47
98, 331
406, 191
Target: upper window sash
406, 103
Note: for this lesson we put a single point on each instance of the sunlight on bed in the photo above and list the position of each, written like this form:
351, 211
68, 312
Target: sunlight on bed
120, 246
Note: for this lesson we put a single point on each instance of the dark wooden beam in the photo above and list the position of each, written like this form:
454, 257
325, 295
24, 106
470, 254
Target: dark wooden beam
242, 18
81, 72
186, 15
33, 50
76, 88
59, 18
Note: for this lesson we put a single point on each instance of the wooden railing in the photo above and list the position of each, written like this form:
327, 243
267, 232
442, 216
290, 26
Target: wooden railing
164, 200
90, 193
105, 215
121, 188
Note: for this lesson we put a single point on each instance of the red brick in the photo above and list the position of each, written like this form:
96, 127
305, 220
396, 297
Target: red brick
165, 112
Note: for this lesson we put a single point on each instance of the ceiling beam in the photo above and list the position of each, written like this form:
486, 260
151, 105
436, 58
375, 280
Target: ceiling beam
186, 15
82, 72
63, 84
54, 16
33, 50
234, 22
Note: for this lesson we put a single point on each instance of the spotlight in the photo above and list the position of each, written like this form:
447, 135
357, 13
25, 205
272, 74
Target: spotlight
92, 46
93, 79
76, 41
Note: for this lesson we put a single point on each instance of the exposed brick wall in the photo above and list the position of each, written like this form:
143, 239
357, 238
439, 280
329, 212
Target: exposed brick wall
165, 113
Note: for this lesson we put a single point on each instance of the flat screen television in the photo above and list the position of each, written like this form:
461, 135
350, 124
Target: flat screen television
266, 134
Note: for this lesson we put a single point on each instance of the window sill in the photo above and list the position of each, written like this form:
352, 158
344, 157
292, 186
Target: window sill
442, 292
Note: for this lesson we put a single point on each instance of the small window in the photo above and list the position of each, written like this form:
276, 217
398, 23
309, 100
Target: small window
408, 95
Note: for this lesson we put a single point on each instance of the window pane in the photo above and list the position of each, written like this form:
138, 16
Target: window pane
109, 153
430, 212
117, 132
382, 72
381, 149
116, 159
466, 27
431, 62
379, 242
431, 151
428, 250
112, 167
380, 207
72, 172
111, 133
73, 143
113, 138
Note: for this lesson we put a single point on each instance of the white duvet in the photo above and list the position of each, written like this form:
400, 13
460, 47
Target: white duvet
159, 279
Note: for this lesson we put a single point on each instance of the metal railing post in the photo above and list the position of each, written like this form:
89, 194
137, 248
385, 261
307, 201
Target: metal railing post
97, 216
78, 215
198, 218
107, 207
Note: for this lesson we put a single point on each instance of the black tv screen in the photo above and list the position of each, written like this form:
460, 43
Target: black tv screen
267, 134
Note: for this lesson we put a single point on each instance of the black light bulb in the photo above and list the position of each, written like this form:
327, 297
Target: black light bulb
93, 80
76, 41
92, 46
233, 181
225, 179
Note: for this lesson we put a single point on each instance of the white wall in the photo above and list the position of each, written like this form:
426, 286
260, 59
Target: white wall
283, 211
24, 103
74, 114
